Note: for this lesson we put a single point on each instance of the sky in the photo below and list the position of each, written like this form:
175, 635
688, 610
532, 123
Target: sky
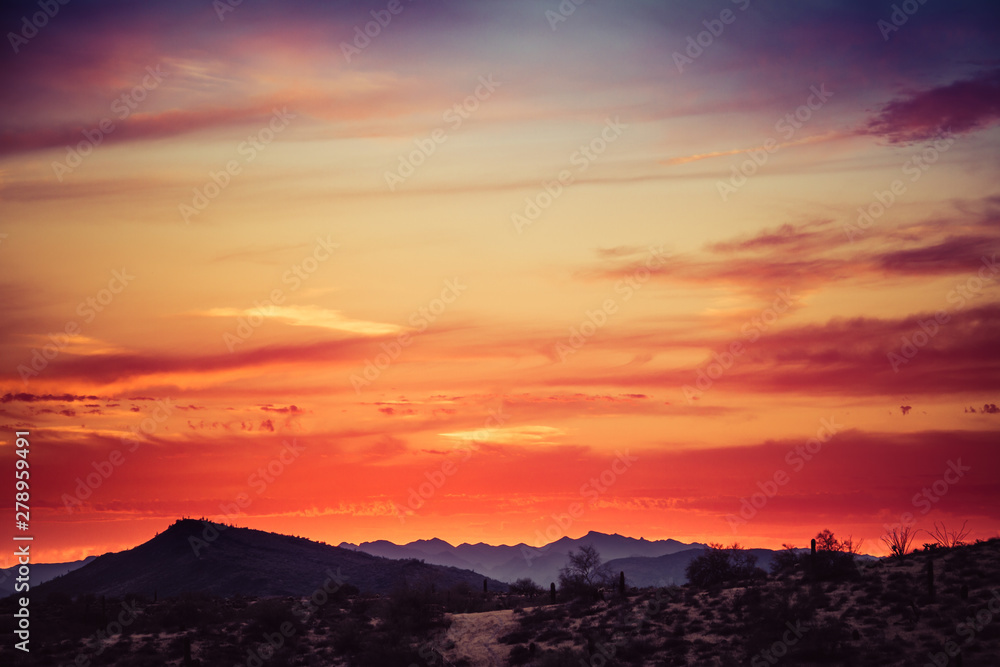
500, 272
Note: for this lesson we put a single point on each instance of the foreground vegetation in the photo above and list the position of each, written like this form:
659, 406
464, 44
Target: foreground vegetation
812, 609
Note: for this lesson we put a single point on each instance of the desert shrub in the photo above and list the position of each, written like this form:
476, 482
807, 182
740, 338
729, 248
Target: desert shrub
635, 651
824, 641
746, 601
770, 619
525, 586
554, 634
825, 565
347, 635
412, 612
377, 652
582, 606
58, 599
676, 645
785, 561
517, 636
561, 658
268, 616
521, 655
541, 615
146, 660
720, 566
832, 565
188, 611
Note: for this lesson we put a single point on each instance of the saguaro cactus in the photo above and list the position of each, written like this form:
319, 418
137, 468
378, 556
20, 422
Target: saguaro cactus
552, 591
621, 583
810, 564
484, 585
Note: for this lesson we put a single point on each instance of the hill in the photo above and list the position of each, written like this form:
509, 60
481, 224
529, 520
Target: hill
670, 569
812, 611
886, 612
198, 556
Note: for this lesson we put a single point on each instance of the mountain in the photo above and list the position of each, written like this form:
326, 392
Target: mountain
669, 569
223, 560
542, 564
200, 556
659, 571
40, 573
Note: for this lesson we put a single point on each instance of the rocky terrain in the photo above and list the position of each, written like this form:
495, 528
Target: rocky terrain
936, 606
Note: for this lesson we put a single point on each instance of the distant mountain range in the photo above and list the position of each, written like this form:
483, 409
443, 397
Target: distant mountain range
645, 562
194, 555
40, 573
198, 556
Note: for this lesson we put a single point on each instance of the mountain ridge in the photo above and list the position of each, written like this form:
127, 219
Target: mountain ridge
205, 557
511, 562
198, 555
40, 573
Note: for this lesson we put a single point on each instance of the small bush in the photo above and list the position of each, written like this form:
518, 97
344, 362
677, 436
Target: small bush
720, 566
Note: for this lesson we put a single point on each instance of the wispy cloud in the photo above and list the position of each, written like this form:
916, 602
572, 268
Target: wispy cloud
311, 316
512, 435
804, 141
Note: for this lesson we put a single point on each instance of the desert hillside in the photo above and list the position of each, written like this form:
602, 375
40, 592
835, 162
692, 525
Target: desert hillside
821, 610
194, 556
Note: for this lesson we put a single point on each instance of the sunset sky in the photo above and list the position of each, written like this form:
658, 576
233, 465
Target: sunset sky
492, 261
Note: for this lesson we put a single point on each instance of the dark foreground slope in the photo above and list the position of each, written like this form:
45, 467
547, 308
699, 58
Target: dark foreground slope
196, 556
881, 613
813, 611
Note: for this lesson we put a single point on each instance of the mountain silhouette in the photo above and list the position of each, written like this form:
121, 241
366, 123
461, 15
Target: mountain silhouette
200, 556
40, 573
542, 564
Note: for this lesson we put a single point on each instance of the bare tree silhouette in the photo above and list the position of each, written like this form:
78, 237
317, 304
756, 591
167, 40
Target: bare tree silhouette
899, 540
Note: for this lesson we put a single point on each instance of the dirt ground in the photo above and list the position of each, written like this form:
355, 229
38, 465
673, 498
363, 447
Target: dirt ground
475, 637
